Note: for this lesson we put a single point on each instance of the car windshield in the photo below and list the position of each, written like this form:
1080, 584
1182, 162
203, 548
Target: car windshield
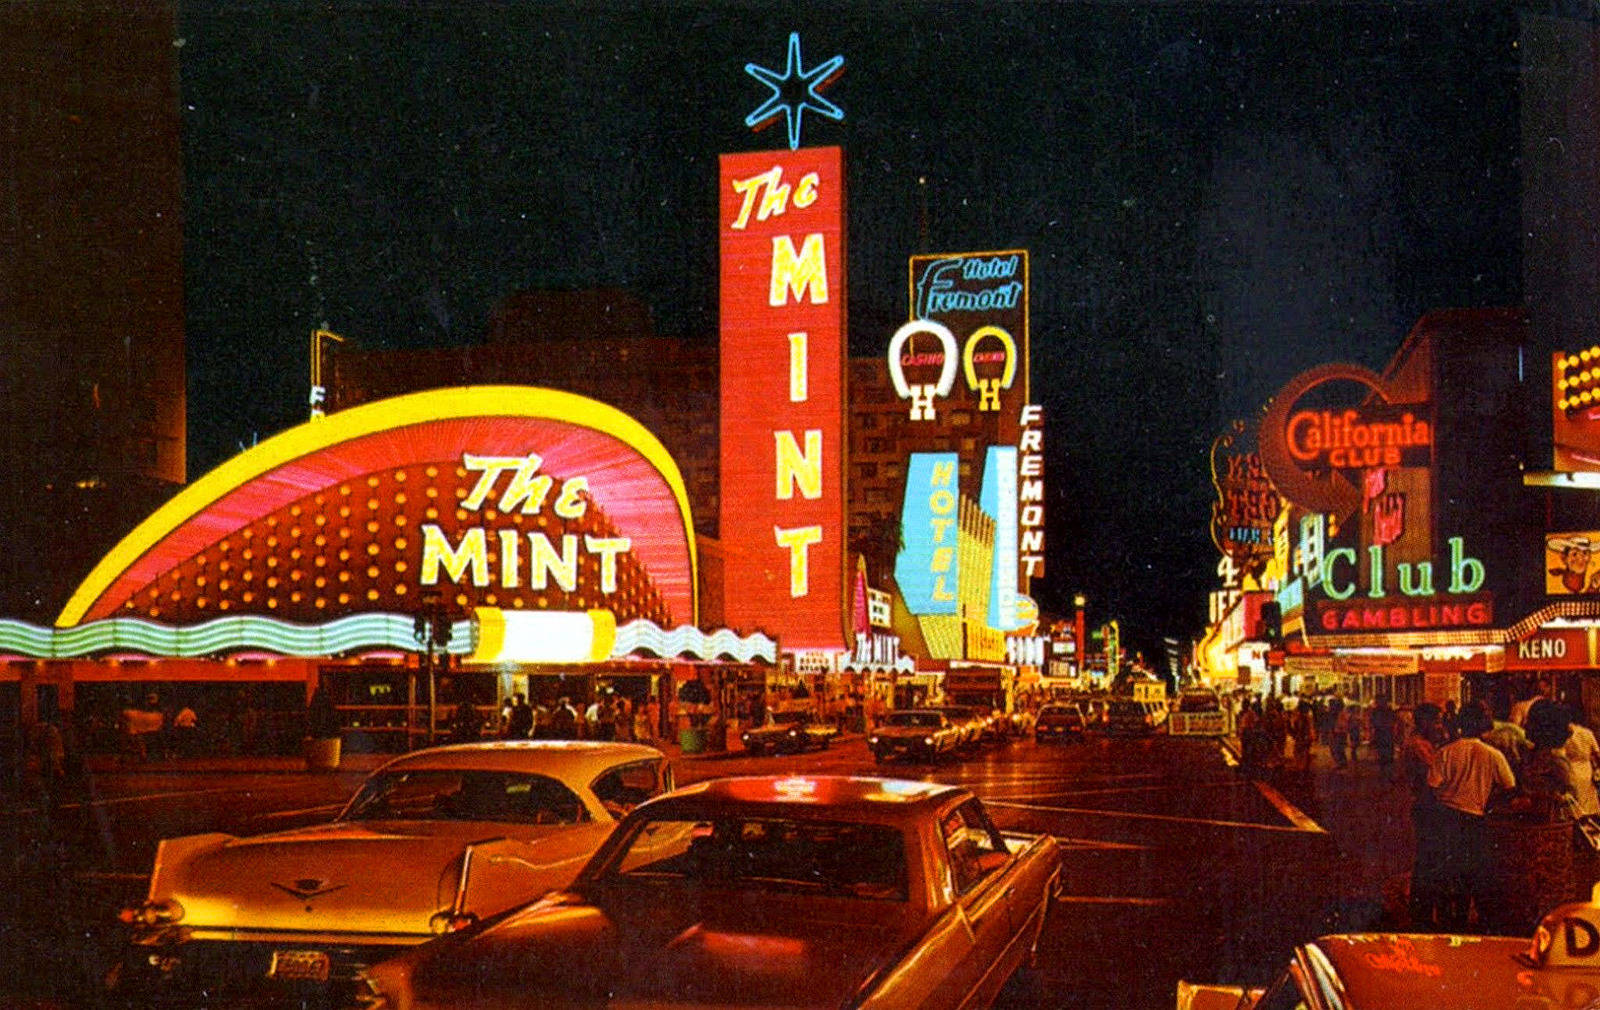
836, 858
788, 718
1127, 708
465, 795
916, 720
1058, 711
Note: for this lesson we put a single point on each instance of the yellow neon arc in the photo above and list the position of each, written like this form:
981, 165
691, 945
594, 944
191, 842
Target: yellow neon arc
357, 422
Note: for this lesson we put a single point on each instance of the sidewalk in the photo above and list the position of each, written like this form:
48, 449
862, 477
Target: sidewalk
1367, 812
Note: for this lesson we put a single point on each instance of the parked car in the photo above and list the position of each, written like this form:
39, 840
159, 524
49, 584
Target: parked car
762, 892
432, 841
788, 732
1559, 967
918, 734
1060, 721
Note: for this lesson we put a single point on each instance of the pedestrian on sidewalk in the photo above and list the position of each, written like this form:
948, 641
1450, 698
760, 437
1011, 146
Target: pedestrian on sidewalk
1302, 734
1275, 723
1466, 775
1417, 756
1340, 742
1383, 723
518, 718
1252, 739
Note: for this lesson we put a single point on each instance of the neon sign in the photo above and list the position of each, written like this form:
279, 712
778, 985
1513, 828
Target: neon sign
989, 388
991, 284
795, 79
982, 299
526, 493
999, 500
1030, 493
928, 568
1351, 440
922, 394
782, 421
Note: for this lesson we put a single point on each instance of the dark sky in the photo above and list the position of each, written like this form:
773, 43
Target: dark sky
1214, 197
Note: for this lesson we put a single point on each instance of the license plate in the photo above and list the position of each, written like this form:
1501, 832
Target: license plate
299, 966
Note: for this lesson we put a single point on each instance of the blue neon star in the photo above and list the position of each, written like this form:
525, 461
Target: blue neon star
802, 85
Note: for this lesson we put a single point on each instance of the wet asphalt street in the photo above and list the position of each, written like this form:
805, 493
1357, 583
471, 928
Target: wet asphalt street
1175, 865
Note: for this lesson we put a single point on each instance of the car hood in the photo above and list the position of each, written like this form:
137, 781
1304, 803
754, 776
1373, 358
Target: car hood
379, 878
722, 949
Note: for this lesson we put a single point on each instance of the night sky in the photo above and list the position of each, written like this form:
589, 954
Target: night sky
1214, 198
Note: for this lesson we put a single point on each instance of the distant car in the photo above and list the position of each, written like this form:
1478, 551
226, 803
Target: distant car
1126, 717
1559, 967
918, 734
762, 892
788, 732
1060, 721
433, 841
971, 724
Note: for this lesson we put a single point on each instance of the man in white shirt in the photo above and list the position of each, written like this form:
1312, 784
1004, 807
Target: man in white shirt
1581, 755
1465, 774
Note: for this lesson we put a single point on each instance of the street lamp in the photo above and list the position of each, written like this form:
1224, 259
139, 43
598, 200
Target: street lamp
431, 628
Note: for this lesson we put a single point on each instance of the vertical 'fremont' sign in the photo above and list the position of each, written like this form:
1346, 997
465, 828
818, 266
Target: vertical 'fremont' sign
781, 227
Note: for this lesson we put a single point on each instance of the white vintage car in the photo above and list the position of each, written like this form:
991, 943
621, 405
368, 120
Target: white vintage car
432, 842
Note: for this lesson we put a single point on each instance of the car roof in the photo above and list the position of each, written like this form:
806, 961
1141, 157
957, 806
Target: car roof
569, 760
1429, 971
819, 797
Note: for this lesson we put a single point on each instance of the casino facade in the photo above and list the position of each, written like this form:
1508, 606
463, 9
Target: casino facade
513, 530
1426, 533
450, 526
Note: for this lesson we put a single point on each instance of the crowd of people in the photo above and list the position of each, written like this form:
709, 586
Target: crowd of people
1461, 766
611, 716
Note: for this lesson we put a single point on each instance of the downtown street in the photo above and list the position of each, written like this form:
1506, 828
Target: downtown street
1175, 865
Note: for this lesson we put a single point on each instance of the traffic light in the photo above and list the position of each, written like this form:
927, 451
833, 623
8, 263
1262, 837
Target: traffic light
1272, 623
441, 629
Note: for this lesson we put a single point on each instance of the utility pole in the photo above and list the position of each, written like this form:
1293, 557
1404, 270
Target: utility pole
431, 628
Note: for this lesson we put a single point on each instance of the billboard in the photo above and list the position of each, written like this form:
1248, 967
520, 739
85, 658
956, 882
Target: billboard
927, 570
1572, 563
974, 308
781, 233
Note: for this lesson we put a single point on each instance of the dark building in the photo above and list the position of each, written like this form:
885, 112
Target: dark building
92, 379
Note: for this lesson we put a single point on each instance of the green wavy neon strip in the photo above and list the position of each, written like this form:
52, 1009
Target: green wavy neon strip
356, 633
245, 633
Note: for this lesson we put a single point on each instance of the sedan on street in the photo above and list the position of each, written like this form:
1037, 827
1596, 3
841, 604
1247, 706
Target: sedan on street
433, 841
761, 892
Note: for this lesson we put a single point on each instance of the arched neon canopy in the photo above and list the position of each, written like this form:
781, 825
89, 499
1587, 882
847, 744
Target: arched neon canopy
494, 495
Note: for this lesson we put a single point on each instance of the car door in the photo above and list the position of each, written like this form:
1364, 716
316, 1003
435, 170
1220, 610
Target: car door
979, 861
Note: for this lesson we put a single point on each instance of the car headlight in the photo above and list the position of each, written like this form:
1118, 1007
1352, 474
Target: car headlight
152, 913
872, 740
745, 737
928, 741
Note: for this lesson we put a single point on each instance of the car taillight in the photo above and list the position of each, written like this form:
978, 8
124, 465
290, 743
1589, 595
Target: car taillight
152, 913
